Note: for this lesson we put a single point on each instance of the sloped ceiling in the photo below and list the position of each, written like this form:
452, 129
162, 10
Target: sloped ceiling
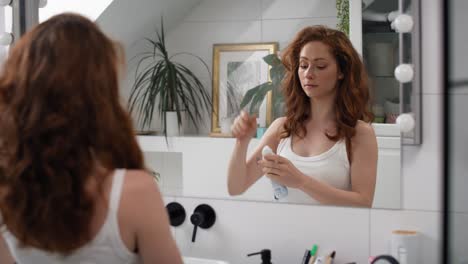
89, 8
128, 20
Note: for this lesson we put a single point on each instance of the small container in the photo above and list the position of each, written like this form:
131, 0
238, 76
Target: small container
260, 132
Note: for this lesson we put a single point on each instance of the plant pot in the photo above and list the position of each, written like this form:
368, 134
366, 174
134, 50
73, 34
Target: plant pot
172, 127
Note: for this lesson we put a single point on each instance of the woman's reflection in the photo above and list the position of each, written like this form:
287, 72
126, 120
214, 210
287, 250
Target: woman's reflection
325, 144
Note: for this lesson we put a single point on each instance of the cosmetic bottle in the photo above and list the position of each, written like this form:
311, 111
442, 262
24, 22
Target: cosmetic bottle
279, 191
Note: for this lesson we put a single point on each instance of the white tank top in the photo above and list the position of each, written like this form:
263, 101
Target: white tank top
106, 247
331, 167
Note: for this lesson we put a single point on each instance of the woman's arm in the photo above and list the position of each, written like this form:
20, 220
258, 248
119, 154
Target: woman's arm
363, 174
243, 172
150, 221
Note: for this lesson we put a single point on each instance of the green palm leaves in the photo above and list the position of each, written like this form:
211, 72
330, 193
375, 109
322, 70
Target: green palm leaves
254, 96
166, 85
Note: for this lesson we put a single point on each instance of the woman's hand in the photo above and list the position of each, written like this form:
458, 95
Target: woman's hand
282, 171
244, 126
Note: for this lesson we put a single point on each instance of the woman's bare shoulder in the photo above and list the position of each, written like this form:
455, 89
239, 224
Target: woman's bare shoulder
272, 135
278, 124
139, 193
365, 134
139, 181
364, 130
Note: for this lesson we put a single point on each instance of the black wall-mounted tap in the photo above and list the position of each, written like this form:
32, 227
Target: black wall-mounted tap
203, 216
176, 213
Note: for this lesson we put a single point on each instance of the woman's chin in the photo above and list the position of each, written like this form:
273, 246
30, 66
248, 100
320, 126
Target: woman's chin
310, 92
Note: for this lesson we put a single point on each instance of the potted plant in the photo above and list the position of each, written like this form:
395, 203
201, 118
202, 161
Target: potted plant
254, 96
168, 86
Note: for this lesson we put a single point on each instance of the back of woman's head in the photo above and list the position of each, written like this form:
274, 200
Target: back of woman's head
352, 94
60, 116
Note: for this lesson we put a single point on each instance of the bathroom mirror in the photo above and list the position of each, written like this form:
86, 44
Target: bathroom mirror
195, 165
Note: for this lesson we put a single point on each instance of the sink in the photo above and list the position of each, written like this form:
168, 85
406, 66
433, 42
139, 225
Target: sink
190, 260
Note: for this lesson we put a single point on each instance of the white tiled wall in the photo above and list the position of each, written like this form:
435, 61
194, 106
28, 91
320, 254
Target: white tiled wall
215, 11
245, 227
273, 29
422, 165
285, 9
458, 103
426, 222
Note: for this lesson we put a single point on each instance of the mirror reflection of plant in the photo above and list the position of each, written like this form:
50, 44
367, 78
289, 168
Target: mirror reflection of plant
255, 96
177, 88
342, 8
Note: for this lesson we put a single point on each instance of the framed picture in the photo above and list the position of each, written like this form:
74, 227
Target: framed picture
236, 69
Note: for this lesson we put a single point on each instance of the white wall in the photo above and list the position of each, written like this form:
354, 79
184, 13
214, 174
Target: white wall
245, 227
458, 102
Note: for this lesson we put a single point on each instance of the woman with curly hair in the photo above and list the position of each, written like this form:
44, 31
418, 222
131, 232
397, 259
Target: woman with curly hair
73, 188
326, 148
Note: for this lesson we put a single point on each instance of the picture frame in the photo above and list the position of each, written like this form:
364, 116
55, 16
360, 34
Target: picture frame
236, 69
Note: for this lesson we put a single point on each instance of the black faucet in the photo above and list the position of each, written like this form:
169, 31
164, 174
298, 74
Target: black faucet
203, 216
176, 213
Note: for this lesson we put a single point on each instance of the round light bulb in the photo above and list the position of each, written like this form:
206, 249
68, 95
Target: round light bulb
403, 23
5, 2
42, 3
6, 39
392, 15
406, 122
404, 73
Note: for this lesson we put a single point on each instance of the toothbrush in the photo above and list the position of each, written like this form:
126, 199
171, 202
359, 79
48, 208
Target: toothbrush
279, 191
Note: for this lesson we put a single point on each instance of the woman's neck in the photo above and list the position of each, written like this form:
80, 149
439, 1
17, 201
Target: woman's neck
322, 110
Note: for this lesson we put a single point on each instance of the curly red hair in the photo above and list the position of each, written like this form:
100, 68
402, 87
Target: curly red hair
352, 96
60, 116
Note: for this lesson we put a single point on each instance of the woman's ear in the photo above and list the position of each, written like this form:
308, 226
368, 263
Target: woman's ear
340, 76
